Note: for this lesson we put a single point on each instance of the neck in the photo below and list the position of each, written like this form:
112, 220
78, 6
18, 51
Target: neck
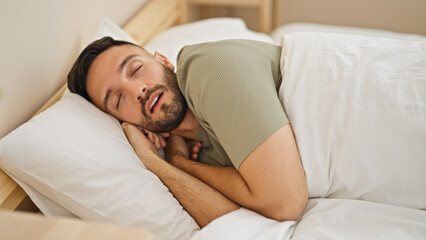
189, 126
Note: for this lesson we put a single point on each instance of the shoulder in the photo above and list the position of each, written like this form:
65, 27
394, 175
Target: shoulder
234, 56
217, 71
231, 48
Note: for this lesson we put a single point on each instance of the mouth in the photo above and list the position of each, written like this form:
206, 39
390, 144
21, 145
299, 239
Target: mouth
154, 103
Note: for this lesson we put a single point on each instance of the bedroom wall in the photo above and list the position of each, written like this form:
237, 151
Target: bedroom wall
40, 40
396, 15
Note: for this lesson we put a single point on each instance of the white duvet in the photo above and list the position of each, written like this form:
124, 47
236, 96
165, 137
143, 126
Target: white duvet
357, 106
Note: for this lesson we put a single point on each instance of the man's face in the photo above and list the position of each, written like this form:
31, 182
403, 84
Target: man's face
136, 87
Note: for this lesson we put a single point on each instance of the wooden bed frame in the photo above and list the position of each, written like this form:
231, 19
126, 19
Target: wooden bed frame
153, 18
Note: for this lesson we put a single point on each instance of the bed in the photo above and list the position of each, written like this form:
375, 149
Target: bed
135, 197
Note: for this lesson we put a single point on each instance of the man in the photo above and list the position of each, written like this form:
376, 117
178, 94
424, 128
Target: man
224, 95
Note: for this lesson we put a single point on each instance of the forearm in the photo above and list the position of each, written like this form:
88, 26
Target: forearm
224, 179
230, 183
200, 200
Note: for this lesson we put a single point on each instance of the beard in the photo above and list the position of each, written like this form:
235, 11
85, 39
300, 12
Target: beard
174, 112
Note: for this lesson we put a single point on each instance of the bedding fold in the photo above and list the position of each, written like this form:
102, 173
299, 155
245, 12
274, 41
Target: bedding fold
357, 106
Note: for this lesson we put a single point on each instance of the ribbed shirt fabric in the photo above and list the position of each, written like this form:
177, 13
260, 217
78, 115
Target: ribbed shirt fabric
231, 88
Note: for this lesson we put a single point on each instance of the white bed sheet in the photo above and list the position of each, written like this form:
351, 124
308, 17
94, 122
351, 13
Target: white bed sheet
357, 105
323, 219
245, 224
327, 219
351, 200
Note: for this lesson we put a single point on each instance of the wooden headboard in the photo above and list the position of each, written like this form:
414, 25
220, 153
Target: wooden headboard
153, 18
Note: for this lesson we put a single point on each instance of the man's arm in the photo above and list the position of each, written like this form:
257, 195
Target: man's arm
201, 201
270, 181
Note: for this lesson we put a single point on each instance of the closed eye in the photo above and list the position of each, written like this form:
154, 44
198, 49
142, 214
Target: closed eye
133, 74
118, 101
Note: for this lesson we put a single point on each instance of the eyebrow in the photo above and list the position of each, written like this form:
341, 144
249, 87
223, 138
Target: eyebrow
120, 69
125, 61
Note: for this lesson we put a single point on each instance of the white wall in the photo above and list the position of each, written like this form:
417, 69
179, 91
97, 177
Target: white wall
40, 40
407, 16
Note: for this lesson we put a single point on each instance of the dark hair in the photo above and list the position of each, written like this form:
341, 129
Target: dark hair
77, 77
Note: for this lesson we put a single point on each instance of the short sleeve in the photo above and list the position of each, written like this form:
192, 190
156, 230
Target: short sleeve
233, 90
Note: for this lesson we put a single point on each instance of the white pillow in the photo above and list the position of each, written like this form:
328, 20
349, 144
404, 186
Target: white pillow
173, 39
277, 33
74, 159
49, 208
78, 156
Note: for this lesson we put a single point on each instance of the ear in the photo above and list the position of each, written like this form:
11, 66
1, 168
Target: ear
162, 59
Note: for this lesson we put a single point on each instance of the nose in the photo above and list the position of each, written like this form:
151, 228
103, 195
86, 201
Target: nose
136, 91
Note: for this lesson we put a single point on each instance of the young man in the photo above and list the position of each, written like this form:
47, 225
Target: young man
224, 95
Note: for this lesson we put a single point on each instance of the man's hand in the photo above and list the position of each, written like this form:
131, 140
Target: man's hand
177, 145
270, 181
194, 148
201, 201
140, 143
156, 138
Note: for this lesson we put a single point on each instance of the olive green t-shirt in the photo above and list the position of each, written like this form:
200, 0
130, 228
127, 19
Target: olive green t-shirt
231, 88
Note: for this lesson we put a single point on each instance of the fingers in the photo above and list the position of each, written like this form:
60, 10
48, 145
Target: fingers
194, 152
133, 134
152, 138
197, 144
191, 149
194, 148
194, 156
162, 141
157, 140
